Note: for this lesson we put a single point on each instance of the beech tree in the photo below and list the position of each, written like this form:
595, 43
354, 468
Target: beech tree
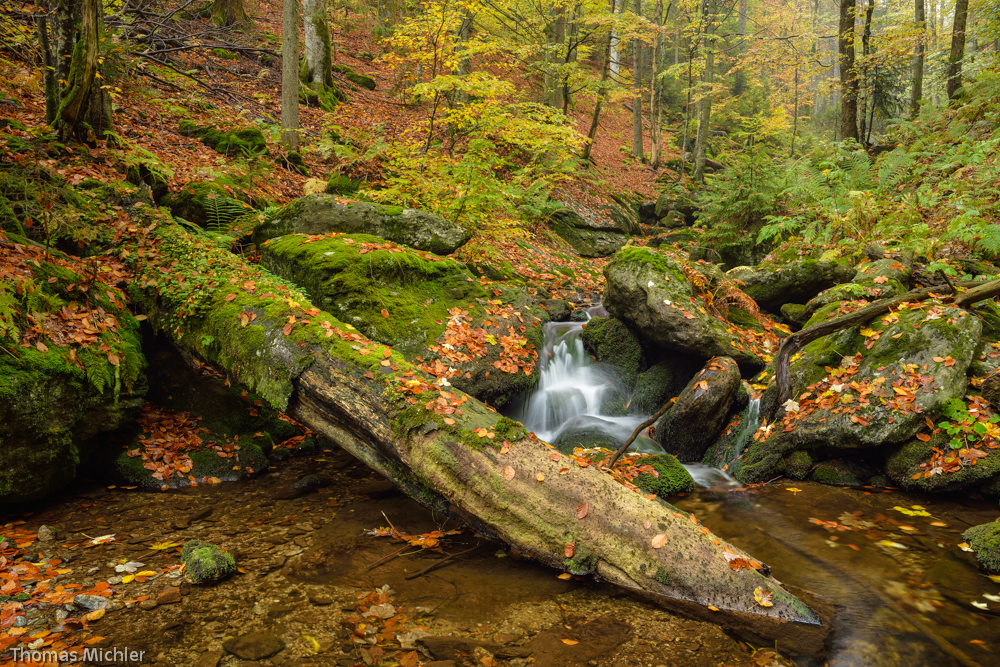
317, 68
918, 59
848, 72
230, 13
957, 54
290, 75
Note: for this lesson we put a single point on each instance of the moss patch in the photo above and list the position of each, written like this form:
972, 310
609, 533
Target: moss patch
242, 142
672, 477
985, 541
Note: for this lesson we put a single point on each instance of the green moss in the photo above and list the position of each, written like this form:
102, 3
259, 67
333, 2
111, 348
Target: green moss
508, 429
212, 205
362, 80
224, 54
798, 464
341, 185
615, 344
838, 474
663, 576
242, 142
673, 478
985, 541
203, 562
583, 562
326, 97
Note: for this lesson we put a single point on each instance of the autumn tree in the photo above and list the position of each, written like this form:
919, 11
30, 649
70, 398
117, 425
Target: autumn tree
69, 35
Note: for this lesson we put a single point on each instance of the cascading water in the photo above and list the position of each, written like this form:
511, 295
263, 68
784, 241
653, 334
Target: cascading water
575, 396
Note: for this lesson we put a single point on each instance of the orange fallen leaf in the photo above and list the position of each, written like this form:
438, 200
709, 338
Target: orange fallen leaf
386, 353
582, 510
508, 473
570, 548
565, 575
569, 642
385, 313
540, 477
659, 541
230, 297
646, 524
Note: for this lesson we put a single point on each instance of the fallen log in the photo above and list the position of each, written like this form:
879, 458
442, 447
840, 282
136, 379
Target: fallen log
470, 463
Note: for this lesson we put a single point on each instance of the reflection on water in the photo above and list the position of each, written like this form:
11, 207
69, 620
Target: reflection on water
851, 547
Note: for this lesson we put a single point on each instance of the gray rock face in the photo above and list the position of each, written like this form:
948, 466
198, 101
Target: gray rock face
590, 238
254, 646
322, 214
796, 282
90, 602
887, 363
650, 293
880, 279
694, 421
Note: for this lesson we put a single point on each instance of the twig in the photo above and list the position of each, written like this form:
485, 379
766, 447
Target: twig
440, 563
394, 553
635, 434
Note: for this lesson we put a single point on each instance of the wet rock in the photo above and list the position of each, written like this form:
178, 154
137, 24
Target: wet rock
587, 431
90, 602
46, 534
840, 473
794, 282
612, 342
685, 205
254, 646
209, 659
990, 390
169, 596
378, 489
662, 381
454, 648
559, 309
900, 395
985, 542
796, 314
696, 419
203, 561
322, 214
278, 455
798, 464
147, 604
671, 477
307, 447
874, 280
312, 483
594, 640
650, 292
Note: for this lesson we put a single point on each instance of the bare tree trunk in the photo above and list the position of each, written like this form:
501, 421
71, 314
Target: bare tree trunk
957, 48
76, 31
740, 78
317, 66
654, 93
848, 73
230, 13
637, 147
290, 75
616, 8
869, 82
917, 91
602, 92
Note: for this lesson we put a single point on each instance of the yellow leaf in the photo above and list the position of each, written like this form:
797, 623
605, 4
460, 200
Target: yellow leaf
569, 642
146, 573
714, 608
763, 597
565, 575
128, 578
160, 546
540, 477
95, 615
313, 644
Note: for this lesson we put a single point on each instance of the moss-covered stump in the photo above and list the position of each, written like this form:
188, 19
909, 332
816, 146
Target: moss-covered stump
204, 562
612, 342
694, 422
985, 542
363, 80
239, 143
670, 479
586, 235
214, 205
325, 214
360, 277
395, 420
72, 371
866, 386
327, 97
649, 291
793, 282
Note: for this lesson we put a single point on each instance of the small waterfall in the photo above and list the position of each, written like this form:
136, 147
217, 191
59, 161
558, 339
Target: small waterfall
573, 393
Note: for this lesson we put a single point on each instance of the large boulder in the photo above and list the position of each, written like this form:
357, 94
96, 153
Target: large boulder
985, 542
870, 385
933, 466
796, 282
877, 279
612, 342
662, 381
649, 291
392, 295
587, 233
211, 204
667, 477
73, 371
696, 419
325, 214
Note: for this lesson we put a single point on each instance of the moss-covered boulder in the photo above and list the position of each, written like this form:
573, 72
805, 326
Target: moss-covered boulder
682, 203
793, 282
393, 295
798, 464
649, 291
71, 368
909, 465
612, 342
985, 542
325, 214
211, 204
796, 314
870, 385
342, 185
363, 80
696, 419
249, 461
877, 279
668, 477
662, 381
587, 234
840, 473
204, 562
239, 142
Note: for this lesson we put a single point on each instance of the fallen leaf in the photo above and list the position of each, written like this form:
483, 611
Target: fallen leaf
230, 297
386, 353
540, 477
95, 615
570, 548
565, 575
508, 473
385, 313
713, 608
646, 524
659, 541
763, 597
160, 546
569, 642
554, 456
582, 510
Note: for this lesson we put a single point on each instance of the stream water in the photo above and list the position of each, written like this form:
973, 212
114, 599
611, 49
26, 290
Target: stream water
888, 561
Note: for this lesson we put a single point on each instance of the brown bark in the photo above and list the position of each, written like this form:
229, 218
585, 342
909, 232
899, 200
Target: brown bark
77, 30
602, 92
917, 92
848, 73
230, 13
637, 147
957, 54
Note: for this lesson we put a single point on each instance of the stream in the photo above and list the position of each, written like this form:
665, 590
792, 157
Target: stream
900, 586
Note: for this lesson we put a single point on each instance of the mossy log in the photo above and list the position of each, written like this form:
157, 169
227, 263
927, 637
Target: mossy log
361, 395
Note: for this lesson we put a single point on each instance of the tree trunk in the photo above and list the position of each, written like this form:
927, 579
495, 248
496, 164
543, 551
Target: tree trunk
317, 68
583, 521
848, 74
75, 32
869, 81
230, 13
704, 115
616, 8
740, 77
637, 147
654, 93
290, 75
917, 92
602, 91
957, 48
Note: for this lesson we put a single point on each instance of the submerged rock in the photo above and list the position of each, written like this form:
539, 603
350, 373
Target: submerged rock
650, 292
254, 645
695, 420
203, 562
588, 431
322, 214
985, 542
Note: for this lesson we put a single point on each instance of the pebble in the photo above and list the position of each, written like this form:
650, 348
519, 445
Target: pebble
90, 602
147, 604
46, 534
169, 596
